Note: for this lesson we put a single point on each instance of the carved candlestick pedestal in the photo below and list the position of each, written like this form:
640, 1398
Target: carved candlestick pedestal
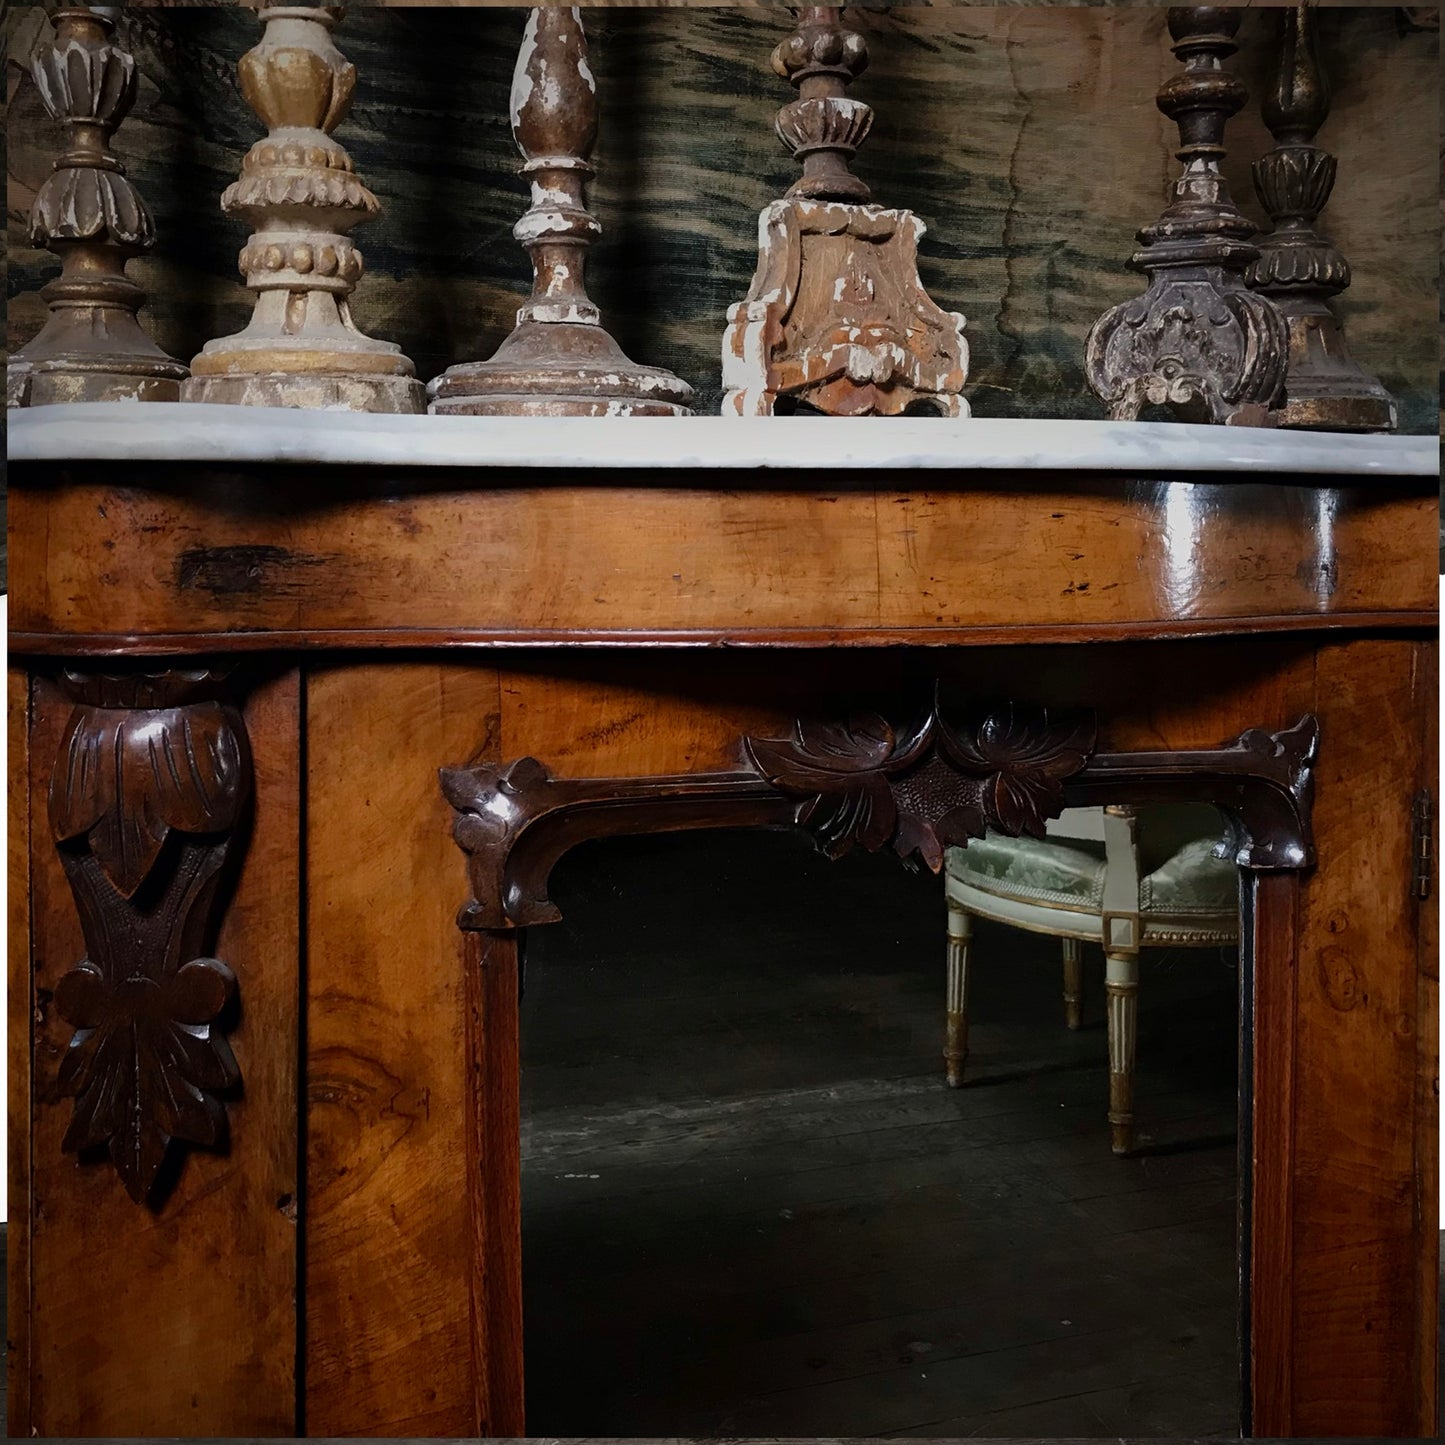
300, 192
837, 320
91, 347
1299, 269
150, 782
1198, 341
560, 360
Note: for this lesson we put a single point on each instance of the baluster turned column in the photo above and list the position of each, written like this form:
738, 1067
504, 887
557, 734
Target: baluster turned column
560, 360
301, 194
1198, 341
1298, 268
837, 320
87, 212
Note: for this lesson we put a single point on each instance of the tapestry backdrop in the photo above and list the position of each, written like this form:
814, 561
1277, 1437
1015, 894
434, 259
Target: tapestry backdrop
1027, 139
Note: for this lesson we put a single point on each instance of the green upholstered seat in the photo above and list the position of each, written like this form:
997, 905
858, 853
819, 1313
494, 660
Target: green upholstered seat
1192, 881
1042, 869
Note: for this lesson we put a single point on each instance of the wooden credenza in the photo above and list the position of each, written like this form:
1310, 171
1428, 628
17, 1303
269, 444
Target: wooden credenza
270, 670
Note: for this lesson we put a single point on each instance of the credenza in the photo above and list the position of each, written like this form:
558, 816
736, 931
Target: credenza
304, 706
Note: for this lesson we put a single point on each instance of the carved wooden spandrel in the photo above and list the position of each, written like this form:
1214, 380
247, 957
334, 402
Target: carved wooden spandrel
1298, 268
1198, 341
299, 191
92, 347
836, 319
559, 360
862, 783
148, 791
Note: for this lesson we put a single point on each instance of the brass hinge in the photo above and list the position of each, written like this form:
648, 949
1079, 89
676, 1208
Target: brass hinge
1424, 844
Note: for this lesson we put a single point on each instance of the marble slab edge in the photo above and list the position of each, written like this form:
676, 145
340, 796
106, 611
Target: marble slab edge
157, 432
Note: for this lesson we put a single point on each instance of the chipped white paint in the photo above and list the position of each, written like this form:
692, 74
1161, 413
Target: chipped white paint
120, 431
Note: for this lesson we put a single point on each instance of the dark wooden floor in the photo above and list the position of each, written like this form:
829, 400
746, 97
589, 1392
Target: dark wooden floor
752, 1208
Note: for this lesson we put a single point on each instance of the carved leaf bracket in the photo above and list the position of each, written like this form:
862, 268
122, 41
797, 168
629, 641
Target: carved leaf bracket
149, 786
862, 784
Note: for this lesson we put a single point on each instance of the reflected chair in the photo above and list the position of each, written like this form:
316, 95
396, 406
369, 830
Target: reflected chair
1124, 878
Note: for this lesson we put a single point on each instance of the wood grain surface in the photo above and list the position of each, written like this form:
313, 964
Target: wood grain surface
18, 1033
389, 1288
1026, 138
164, 557
1359, 1151
182, 1320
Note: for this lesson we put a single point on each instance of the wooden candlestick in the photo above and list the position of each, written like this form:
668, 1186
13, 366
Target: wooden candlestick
837, 320
88, 213
300, 192
560, 360
1198, 341
1298, 268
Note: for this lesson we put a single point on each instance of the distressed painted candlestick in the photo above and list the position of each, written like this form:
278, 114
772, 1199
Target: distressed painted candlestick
560, 360
837, 320
92, 347
1298, 268
1198, 341
301, 194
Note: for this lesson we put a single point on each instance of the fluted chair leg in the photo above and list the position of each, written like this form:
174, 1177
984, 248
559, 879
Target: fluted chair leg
1121, 983
955, 1043
1073, 983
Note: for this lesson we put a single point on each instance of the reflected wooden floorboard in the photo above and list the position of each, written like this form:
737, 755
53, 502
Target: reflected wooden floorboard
752, 1208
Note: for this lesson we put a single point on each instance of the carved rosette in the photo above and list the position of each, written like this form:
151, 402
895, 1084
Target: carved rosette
560, 360
1198, 341
88, 213
1298, 268
149, 786
862, 783
300, 193
836, 320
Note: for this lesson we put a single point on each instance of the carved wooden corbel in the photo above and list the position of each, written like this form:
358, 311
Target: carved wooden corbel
863, 784
150, 783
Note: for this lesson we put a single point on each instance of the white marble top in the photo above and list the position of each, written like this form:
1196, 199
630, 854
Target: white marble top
183, 432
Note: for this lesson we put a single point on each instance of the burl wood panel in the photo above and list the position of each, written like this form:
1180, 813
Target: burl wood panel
1025, 137
17, 1042
1365, 1194
389, 1289
253, 559
180, 1321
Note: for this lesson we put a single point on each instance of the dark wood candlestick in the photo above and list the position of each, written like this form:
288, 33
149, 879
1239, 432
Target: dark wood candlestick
560, 360
1198, 341
1298, 268
88, 213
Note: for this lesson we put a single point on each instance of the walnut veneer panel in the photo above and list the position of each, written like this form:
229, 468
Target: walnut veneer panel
183, 1321
389, 1298
223, 558
18, 1033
